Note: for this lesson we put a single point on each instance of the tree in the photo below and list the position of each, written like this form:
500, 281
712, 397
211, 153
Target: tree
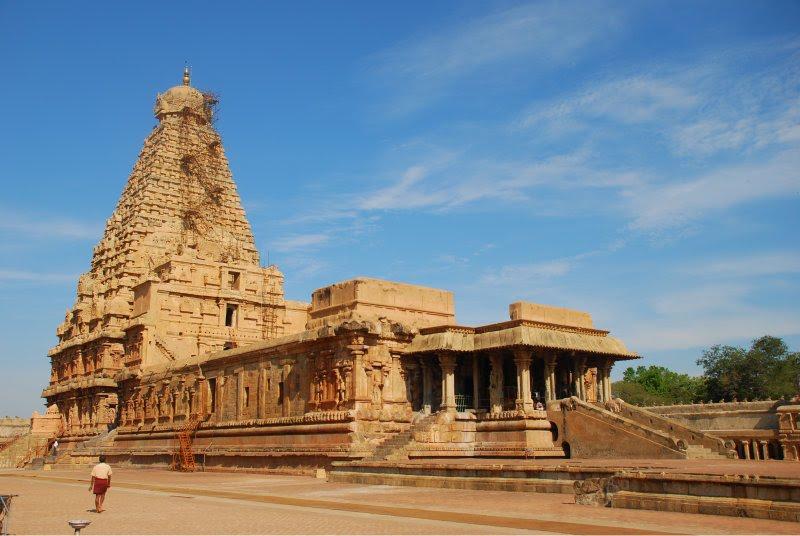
766, 370
636, 394
658, 385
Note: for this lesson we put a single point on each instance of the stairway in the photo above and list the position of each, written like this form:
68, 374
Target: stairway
697, 444
105, 439
394, 448
699, 452
636, 424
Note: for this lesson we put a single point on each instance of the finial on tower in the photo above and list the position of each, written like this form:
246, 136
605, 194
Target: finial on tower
186, 75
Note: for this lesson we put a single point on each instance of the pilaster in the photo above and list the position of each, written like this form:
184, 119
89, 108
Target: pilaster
427, 387
496, 382
522, 359
448, 364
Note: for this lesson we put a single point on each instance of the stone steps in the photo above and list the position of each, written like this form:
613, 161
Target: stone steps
697, 452
394, 448
675, 438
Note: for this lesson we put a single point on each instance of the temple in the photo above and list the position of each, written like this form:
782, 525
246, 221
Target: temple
181, 347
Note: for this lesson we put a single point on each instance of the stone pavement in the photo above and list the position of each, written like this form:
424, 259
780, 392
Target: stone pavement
163, 502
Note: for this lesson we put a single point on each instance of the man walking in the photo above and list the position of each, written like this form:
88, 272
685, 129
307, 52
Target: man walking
101, 481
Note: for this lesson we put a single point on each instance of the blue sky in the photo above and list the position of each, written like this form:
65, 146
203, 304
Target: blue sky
637, 160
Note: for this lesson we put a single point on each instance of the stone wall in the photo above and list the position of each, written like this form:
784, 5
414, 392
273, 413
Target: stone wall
751, 426
412, 305
586, 432
758, 415
13, 426
303, 399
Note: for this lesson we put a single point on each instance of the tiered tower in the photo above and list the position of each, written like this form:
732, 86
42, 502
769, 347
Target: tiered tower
176, 274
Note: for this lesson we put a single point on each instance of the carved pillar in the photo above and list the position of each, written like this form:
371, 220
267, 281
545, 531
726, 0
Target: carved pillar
411, 378
357, 350
219, 398
239, 394
476, 382
765, 448
427, 387
188, 397
549, 377
602, 380
448, 364
496, 383
221, 315
756, 450
578, 386
287, 399
746, 449
397, 380
173, 401
262, 393
522, 359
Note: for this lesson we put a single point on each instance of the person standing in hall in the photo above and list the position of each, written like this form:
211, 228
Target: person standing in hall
101, 481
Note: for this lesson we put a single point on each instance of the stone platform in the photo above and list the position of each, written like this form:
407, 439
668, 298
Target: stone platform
764, 490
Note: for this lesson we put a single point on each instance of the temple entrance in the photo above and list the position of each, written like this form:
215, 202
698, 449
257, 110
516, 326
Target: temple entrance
465, 381
509, 383
537, 381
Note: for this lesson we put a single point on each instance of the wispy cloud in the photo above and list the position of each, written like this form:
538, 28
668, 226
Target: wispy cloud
543, 34
521, 275
36, 277
464, 180
300, 241
46, 227
304, 267
627, 100
748, 266
704, 330
700, 108
676, 203
713, 297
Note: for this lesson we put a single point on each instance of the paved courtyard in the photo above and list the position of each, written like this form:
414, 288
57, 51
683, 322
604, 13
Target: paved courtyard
164, 502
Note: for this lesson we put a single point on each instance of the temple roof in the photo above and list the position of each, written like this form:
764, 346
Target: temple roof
181, 99
519, 333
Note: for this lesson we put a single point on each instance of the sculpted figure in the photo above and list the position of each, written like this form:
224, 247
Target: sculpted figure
377, 385
590, 384
169, 403
495, 379
340, 387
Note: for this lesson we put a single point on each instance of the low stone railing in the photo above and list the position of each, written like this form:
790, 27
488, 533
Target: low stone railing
689, 436
789, 431
651, 434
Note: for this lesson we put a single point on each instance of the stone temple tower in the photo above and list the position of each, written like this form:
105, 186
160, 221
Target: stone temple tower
176, 274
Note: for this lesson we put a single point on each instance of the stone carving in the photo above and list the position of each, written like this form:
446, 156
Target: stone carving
594, 491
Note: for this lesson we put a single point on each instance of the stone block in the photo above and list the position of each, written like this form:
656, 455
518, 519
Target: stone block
412, 305
591, 492
549, 314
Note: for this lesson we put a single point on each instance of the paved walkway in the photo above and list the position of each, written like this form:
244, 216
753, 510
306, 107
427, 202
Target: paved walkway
164, 502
